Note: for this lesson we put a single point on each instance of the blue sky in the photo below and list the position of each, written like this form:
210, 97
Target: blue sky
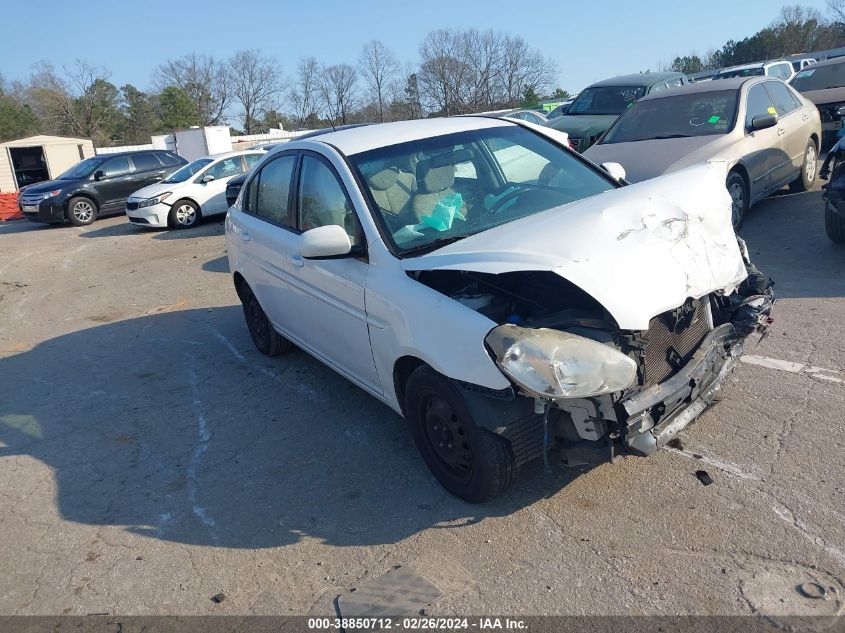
589, 40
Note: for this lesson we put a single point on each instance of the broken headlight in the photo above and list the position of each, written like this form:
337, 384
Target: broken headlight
553, 364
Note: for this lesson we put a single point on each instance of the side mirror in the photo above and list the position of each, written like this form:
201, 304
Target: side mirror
763, 121
615, 170
325, 241
99, 174
207, 178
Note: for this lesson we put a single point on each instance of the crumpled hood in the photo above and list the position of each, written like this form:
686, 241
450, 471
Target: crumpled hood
581, 125
646, 159
150, 191
639, 250
828, 95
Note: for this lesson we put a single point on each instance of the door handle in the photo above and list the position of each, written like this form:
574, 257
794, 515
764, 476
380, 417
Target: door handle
246, 237
780, 131
805, 116
296, 260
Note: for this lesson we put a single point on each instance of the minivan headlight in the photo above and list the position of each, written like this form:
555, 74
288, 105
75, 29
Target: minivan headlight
552, 364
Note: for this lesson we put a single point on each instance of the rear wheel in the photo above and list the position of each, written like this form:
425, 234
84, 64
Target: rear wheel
266, 339
81, 211
470, 462
738, 190
184, 214
834, 224
809, 169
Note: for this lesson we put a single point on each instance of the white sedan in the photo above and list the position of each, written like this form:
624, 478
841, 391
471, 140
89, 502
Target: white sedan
197, 190
498, 290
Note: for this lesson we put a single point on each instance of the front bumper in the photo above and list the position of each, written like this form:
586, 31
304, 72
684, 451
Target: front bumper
154, 216
657, 414
49, 211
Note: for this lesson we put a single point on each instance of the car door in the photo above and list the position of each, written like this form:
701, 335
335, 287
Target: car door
114, 181
211, 184
763, 148
328, 294
790, 120
147, 169
264, 234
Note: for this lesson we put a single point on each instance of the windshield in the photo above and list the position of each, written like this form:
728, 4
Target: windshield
606, 100
740, 72
697, 114
188, 170
819, 78
430, 192
82, 169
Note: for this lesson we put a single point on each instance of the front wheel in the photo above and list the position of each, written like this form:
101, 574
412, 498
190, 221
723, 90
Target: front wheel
184, 214
472, 463
81, 211
834, 224
738, 191
809, 168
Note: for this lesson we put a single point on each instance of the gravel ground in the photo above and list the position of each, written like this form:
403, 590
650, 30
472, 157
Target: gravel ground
150, 458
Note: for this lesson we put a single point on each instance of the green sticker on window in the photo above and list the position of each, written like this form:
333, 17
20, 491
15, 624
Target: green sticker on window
713, 119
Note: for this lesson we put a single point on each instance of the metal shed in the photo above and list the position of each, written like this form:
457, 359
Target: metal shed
37, 158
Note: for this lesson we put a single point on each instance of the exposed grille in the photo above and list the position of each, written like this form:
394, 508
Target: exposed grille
31, 200
131, 205
672, 339
828, 112
575, 143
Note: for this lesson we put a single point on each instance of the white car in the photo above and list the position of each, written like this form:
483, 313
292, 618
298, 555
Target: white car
196, 190
779, 68
504, 294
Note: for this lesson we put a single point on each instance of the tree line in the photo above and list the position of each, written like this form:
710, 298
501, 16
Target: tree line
797, 29
459, 71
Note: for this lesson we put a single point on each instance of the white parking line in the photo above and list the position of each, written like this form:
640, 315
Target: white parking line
731, 469
794, 368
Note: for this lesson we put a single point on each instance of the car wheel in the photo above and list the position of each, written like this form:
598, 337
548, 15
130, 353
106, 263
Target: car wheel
834, 225
266, 339
472, 463
809, 170
81, 211
184, 214
738, 191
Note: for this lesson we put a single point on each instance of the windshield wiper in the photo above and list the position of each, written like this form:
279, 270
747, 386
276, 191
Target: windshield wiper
434, 244
672, 136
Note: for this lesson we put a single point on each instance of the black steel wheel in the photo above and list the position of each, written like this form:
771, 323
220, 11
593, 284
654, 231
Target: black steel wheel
266, 339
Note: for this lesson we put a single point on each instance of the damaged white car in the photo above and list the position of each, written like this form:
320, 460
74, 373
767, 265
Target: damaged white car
501, 292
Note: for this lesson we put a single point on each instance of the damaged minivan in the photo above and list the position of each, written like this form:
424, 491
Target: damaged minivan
512, 300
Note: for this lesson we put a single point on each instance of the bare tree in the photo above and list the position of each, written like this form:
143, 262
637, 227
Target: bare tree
442, 73
81, 101
337, 89
836, 9
256, 82
379, 69
204, 79
524, 69
304, 91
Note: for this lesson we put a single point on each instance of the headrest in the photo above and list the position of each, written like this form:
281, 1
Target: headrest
437, 172
384, 179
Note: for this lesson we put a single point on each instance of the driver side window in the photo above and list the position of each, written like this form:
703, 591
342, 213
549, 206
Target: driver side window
322, 200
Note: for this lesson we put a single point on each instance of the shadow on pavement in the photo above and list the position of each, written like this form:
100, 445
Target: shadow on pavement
172, 425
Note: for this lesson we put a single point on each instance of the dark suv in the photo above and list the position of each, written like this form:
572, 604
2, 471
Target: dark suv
96, 186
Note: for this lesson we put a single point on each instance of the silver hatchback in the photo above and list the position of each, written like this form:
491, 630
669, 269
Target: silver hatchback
767, 133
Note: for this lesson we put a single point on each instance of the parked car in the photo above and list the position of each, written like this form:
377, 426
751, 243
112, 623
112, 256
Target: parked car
562, 108
498, 290
598, 106
833, 170
800, 64
95, 186
779, 68
824, 85
532, 116
233, 187
197, 190
768, 134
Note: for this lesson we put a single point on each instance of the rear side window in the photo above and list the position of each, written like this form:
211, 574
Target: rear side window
145, 162
252, 159
269, 192
781, 99
168, 159
759, 103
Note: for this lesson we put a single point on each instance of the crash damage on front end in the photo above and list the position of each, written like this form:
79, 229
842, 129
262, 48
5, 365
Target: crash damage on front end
617, 324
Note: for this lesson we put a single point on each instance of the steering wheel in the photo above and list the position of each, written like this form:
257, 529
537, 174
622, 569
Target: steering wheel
510, 195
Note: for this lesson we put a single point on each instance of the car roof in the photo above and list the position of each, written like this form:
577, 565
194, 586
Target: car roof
221, 155
732, 83
637, 79
827, 62
132, 152
364, 138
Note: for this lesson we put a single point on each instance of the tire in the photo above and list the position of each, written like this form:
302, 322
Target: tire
184, 214
266, 339
81, 211
834, 225
472, 463
738, 190
809, 170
